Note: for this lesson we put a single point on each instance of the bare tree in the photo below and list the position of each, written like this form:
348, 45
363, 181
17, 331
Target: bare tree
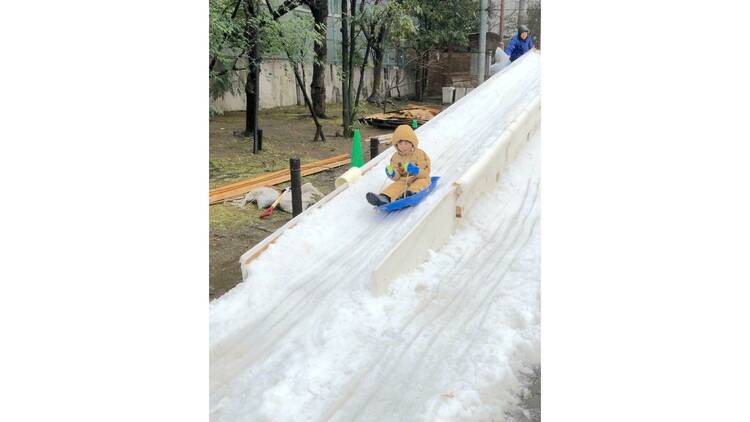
345, 68
238, 36
348, 46
319, 9
252, 85
374, 26
293, 44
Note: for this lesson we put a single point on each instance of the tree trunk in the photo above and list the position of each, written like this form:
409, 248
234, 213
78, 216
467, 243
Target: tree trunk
345, 73
251, 98
318, 127
350, 71
252, 84
352, 45
319, 9
361, 80
378, 50
398, 84
419, 74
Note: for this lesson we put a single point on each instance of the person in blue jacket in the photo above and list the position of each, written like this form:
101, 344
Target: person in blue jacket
519, 44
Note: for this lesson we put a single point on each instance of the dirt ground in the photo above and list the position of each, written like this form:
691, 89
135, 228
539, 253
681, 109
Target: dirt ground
287, 133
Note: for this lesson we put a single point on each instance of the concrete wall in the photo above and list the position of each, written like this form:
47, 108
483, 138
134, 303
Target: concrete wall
278, 87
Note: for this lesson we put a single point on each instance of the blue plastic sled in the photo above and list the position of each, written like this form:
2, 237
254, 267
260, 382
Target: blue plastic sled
410, 200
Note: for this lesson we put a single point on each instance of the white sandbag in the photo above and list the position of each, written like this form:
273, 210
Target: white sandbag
310, 195
500, 56
263, 196
501, 60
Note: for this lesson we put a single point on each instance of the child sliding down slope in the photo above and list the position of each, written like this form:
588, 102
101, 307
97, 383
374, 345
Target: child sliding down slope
409, 168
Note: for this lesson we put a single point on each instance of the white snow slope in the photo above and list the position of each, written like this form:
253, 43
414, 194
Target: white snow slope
303, 338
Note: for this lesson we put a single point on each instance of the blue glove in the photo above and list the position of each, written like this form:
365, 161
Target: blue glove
411, 169
389, 171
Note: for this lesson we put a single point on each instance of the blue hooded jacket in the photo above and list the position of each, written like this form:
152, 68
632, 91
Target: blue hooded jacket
518, 47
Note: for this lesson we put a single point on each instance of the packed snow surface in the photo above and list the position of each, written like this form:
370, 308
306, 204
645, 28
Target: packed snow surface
303, 338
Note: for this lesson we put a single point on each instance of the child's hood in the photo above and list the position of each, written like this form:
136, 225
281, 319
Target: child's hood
404, 133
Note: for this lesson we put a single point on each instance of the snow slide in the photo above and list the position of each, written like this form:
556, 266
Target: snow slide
303, 337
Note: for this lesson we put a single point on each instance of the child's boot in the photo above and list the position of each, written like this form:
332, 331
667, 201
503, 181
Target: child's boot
377, 200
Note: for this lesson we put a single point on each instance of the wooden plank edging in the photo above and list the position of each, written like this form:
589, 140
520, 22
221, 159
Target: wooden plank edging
240, 188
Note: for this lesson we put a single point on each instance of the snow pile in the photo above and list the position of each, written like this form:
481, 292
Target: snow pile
343, 241
454, 340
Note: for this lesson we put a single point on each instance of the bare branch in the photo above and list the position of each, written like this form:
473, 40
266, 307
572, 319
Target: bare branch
285, 8
234, 65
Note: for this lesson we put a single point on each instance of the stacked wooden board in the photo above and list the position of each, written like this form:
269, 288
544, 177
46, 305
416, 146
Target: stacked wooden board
237, 189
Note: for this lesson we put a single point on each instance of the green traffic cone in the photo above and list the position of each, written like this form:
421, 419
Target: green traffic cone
358, 158
413, 123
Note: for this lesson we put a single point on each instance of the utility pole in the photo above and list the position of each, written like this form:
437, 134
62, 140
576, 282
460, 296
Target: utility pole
482, 39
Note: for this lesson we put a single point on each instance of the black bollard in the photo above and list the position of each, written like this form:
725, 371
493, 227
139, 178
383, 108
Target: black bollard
374, 147
296, 186
260, 139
